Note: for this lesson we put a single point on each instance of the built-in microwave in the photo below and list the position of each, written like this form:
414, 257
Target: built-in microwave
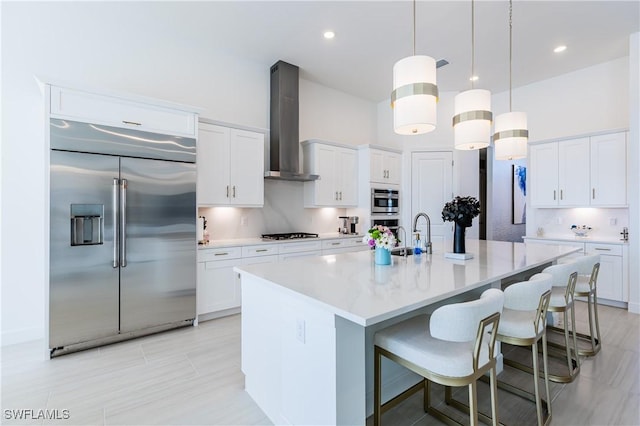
385, 201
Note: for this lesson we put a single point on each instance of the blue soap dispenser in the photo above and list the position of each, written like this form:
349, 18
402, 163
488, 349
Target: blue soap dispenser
417, 246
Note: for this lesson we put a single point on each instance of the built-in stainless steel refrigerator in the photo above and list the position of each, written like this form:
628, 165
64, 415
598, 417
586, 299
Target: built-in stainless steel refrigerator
122, 234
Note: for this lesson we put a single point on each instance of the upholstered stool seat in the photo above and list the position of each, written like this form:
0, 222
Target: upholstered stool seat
522, 323
453, 347
588, 268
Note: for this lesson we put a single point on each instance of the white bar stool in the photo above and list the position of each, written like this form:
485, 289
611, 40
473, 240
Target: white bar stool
564, 281
452, 347
523, 323
588, 268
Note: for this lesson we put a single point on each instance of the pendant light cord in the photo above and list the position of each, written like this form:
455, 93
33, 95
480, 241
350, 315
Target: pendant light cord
414, 27
473, 44
510, 50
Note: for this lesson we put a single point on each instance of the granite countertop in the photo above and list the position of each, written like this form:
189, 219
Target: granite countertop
351, 286
595, 239
237, 242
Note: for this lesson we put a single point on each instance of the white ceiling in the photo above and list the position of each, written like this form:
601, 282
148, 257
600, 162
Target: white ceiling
372, 35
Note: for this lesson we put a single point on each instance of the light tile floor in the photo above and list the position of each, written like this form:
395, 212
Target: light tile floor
192, 376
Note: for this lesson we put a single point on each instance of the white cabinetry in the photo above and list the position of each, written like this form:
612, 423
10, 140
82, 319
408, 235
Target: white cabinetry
217, 289
384, 166
230, 167
613, 279
610, 284
588, 171
337, 166
608, 170
78, 105
299, 249
343, 245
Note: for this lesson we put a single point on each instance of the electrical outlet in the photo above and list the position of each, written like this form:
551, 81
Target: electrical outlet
300, 330
244, 221
613, 221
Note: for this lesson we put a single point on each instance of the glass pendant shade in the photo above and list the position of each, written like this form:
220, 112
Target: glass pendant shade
511, 135
472, 119
414, 95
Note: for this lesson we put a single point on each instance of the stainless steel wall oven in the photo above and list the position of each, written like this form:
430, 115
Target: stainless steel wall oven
385, 201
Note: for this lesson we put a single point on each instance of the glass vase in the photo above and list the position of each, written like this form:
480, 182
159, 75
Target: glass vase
382, 256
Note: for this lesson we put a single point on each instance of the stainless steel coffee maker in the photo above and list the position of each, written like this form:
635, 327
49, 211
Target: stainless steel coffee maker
348, 225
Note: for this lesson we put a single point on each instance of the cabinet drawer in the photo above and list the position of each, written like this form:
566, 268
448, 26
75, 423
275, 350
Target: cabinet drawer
331, 244
222, 253
88, 107
283, 257
607, 249
260, 250
300, 246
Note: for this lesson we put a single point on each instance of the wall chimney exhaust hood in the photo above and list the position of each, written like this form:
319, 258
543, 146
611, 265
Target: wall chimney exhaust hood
284, 123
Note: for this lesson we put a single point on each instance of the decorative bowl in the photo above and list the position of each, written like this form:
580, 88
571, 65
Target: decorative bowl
581, 231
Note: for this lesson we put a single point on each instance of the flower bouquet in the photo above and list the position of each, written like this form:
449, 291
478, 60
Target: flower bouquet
461, 211
383, 240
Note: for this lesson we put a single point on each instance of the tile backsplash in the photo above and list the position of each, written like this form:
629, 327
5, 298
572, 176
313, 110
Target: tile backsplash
283, 211
606, 223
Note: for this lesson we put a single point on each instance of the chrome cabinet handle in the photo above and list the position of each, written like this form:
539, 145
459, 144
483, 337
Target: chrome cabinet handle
227, 191
133, 123
561, 194
593, 193
114, 201
234, 191
221, 254
340, 195
123, 223
336, 195
335, 244
261, 250
603, 249
554, 195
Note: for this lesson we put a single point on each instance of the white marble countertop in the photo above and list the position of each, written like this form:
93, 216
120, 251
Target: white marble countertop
351, 286
603, 240
237, 242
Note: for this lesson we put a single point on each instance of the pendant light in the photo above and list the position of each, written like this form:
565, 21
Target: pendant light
472, 109
511, 133
415, 92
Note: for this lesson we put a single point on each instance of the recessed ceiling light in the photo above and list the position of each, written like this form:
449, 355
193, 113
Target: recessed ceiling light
560, 48
474, 78
329, 35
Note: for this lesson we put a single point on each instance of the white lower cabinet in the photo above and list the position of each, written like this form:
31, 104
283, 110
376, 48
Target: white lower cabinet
610, 284
613, 278
216, 285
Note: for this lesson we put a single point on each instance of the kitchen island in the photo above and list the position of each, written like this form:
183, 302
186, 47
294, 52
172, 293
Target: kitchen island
308, 324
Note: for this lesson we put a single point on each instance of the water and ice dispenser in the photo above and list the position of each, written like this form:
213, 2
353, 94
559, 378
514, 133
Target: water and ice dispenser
87, 224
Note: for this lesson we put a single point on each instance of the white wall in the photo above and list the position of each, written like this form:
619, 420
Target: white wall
634, 172
61, 41
586, 101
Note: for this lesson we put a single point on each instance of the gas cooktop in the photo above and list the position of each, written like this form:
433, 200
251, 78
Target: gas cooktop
289, 236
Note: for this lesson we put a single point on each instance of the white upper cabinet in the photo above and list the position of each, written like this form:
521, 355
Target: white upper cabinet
589, 171
573, 172
543, 176
78, 105
337, 166
385, 166
230, 167
609, 170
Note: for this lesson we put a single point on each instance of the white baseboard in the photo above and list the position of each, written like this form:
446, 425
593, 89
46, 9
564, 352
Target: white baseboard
22, 335
634, 308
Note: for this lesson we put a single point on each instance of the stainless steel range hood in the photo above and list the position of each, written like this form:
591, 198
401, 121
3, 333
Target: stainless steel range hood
285, 135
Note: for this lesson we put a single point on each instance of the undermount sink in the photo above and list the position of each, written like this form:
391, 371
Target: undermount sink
399, 251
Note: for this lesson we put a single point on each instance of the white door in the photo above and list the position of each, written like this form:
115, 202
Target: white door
431, 188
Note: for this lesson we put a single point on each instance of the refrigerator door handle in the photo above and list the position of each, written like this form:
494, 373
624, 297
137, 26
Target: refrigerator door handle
114, 204
123, 223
